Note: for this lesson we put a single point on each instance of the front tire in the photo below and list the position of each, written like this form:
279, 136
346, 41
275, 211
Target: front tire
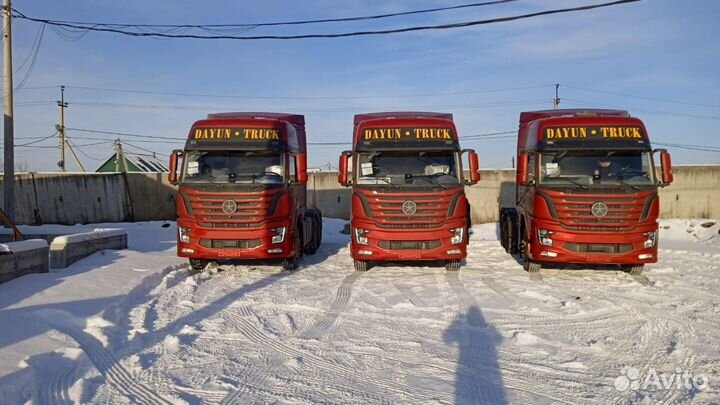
634, 269
198, 264
361, 265
452, 265
290, 263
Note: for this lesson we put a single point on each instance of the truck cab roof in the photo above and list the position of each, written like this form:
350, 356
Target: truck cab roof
528, 116
293, 118
406, 115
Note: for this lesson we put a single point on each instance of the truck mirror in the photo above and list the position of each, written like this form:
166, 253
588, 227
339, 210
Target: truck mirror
474, 167
301, 167
666, 165
343, 167
521, 176
172, 175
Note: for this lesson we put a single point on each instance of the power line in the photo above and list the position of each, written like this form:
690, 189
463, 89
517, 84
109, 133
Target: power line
30, 69
81, 151
42, 138
646, 111
310, 110
299, 22
333, 97
662, 100
703, 148
140, 148
95, 131
95, 27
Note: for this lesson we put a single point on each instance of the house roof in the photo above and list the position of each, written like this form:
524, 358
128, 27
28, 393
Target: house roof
145, 163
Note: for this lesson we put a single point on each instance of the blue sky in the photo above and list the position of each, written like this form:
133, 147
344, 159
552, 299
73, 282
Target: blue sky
484, 75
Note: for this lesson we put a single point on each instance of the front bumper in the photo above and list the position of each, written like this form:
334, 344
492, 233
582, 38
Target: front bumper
235, 243
407, 244
623, 248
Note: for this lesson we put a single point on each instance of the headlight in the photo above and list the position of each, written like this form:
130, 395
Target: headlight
360, 236
651, 239
458, 234
544, 237
183, 234
279, 234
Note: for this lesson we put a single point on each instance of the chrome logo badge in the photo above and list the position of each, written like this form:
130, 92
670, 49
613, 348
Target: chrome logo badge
599, 209
409, 207
229, 206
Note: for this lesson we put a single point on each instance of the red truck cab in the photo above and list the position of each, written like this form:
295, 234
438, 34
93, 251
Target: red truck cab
408, 198
586, 190
242, 190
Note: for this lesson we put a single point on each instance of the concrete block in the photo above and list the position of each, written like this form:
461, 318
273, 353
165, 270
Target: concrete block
65, 250
24, 257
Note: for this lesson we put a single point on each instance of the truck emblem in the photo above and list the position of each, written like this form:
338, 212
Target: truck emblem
409, 207
229, 206
599, 209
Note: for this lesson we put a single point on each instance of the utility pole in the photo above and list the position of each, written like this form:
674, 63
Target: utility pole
9, 173
61, 128
119, 158
556, 100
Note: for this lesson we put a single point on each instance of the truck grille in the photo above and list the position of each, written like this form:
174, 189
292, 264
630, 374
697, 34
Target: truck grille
230, 243
252, 211
432, 210
409, 244
624, 211
598, 247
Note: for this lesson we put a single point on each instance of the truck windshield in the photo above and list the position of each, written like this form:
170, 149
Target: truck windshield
251, 167
403, 168
586, 169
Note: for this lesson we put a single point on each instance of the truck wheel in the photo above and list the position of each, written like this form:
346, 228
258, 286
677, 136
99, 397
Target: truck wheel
290, 263
452, 265
531, 266
634, 269
508, 235
360, 265
312, 247
198, 264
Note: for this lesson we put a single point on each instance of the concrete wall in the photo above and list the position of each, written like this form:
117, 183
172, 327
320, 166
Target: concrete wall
115, 197
21, 258
81, 198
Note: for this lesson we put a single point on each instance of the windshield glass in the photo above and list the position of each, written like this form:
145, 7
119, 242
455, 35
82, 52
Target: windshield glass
251, 167
407, 168
587, 168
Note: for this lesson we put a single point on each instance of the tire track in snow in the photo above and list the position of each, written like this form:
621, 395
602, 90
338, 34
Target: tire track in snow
342, 298
55, 389
115, 373
409, 295
248, 329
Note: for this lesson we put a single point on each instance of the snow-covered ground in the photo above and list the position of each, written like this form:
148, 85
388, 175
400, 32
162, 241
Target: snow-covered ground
136, 326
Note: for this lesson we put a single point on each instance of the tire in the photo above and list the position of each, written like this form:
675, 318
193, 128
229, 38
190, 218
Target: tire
314, 244
361, 265
198, 264
290, 263
531, 266
452, 265
528, 265
634, 269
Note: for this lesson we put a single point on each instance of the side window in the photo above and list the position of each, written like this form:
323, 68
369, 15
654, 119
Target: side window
531, 166
292, 173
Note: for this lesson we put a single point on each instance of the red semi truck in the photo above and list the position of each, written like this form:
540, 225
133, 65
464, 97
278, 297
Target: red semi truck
586, 190
408, 198
242, 190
